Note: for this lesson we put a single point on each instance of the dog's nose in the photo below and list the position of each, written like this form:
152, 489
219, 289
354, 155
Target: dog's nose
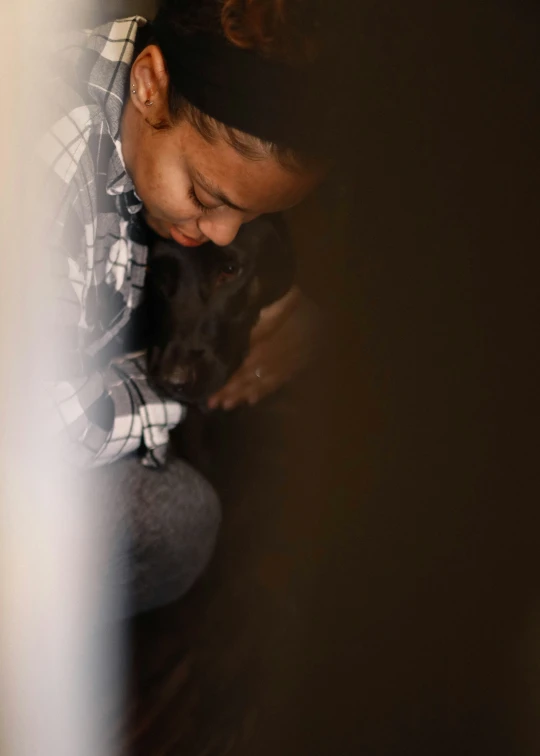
179, 375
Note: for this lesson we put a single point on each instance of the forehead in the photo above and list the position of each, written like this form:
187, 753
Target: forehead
258, 185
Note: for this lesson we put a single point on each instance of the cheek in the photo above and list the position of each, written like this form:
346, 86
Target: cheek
163, 188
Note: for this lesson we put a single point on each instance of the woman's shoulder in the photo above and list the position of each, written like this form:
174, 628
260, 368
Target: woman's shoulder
84, 66
79, 58
85, 84
64, 79
70, 118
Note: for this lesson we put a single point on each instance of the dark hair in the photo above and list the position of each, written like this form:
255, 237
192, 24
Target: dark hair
282, 30
264, 26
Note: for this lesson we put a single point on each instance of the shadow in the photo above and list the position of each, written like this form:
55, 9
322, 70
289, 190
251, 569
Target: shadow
375, 587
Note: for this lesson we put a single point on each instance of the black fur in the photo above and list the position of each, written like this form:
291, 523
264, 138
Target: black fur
201, 304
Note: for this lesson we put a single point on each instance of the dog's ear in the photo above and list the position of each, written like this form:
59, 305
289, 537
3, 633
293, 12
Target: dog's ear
276, 269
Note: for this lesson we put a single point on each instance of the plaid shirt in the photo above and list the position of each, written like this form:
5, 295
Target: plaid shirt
104, 406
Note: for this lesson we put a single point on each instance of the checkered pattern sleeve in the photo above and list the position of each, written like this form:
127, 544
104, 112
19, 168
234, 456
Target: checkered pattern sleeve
108, 414
103, 413
103, 409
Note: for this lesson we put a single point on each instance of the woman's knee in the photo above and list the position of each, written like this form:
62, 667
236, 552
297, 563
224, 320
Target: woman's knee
174, 530
165, 524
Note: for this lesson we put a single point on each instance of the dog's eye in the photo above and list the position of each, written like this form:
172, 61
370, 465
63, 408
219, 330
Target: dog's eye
228, 271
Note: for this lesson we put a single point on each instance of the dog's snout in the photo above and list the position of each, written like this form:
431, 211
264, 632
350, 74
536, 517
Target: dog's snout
180, 367
203, 331
179, 375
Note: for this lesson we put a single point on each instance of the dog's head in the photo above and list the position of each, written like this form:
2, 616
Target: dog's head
203, 302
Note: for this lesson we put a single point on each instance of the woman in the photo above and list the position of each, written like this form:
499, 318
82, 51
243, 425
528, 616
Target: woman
188, 124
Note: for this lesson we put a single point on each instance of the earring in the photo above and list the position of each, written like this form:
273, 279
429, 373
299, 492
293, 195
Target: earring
148, 103
133, 89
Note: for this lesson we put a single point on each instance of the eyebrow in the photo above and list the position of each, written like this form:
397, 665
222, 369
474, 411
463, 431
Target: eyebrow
216, 192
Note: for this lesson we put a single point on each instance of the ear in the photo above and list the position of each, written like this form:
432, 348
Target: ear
149, 85
275, 268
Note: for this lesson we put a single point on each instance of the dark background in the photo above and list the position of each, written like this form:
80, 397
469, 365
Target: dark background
376, 586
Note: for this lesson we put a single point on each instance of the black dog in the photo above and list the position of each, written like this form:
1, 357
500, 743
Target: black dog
201, 304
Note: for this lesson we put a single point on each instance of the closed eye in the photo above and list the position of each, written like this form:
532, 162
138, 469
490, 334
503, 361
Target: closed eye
196, 201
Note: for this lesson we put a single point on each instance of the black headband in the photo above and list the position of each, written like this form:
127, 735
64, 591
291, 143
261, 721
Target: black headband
239, 88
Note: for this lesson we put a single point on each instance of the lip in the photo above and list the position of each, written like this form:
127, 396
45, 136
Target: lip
185, 241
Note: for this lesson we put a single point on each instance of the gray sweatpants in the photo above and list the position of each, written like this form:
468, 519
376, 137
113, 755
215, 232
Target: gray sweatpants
163, 525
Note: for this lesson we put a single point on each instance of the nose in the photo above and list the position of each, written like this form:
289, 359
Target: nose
179, 375
184, 370
221, 230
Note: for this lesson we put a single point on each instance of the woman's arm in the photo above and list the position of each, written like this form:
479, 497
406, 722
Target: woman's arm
282, 343
101, 413
108, 414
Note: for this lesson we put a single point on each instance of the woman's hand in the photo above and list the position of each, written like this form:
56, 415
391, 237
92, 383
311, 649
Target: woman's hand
281, 344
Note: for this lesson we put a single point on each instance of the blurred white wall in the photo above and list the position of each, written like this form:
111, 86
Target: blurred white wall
58, 650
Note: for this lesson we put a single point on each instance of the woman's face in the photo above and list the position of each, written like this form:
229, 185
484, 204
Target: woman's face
194, 191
